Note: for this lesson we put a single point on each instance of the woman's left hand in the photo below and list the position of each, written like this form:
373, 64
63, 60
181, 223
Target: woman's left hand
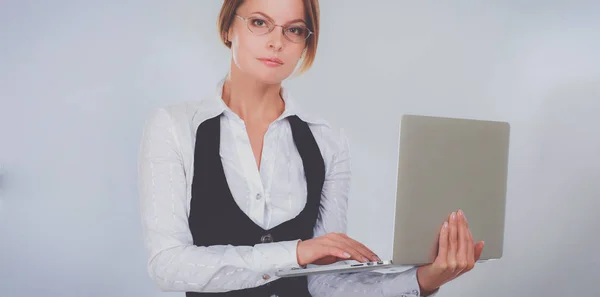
457, 254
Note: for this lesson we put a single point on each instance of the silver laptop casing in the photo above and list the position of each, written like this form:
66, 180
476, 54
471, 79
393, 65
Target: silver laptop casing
446, 164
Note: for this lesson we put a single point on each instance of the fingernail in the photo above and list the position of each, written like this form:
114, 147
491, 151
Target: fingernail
347, 255
453, 216
377, 258
365, 259
445, 225
460, 212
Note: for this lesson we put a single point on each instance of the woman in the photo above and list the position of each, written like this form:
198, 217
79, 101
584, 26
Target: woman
242, 184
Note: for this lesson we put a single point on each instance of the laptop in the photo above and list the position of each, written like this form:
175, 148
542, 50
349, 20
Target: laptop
444, 164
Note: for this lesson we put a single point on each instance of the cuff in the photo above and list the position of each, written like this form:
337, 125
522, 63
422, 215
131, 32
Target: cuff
277, 255
418, 287
415, 288
404, 284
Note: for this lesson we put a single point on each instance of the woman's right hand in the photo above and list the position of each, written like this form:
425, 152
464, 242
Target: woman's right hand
457, 254
331, 248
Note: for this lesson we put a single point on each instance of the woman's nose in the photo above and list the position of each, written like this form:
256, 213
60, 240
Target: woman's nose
276, 39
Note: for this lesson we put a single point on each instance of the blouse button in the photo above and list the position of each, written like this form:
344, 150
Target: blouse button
266, 238
258, 196
266, 276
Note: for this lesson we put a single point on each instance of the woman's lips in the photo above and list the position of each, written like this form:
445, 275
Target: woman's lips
271, 62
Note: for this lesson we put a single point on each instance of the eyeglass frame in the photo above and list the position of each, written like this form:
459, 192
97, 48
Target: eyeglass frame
271, 30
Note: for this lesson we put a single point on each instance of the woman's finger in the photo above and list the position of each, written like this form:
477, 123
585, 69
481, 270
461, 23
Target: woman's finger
441, 261
339, 242
371, 256
461, 256
478, 249
333, 251
361, 255
470, 249
453, 242
327, 260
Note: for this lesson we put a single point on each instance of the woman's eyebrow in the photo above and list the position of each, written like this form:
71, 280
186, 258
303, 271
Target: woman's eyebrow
270, 18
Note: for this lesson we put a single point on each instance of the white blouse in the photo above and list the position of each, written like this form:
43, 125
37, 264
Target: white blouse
269, 196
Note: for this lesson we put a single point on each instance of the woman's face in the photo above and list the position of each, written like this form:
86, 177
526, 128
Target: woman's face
271, 57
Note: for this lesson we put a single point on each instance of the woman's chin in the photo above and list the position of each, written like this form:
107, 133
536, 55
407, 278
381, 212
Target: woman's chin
271, 77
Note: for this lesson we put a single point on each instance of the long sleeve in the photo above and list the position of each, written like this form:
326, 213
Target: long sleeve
332, 218
175, 264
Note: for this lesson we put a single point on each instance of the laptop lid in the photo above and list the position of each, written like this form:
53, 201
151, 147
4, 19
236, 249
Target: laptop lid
446, 164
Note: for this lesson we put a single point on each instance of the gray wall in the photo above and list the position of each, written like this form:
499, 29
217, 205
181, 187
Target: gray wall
77, 80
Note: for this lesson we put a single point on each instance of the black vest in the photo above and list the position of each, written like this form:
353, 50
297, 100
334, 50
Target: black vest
216, 219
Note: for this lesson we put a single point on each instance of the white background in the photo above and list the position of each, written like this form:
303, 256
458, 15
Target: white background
77, 80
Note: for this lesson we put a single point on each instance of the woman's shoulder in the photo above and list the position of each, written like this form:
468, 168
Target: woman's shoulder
178, 121
185, 113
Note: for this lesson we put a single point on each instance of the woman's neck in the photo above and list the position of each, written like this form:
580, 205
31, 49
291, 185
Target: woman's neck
252, 100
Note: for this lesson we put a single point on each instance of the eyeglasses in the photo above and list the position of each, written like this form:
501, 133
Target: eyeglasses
260, 26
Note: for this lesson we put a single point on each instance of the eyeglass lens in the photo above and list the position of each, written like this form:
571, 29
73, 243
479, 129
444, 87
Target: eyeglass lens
296, 32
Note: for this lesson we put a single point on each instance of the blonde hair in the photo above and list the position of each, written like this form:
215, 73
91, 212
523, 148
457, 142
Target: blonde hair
311, 9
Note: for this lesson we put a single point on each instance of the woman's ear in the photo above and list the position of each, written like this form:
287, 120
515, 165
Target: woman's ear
228, 34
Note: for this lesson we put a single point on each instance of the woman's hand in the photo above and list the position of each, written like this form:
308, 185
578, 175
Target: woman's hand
457, 254
331, 248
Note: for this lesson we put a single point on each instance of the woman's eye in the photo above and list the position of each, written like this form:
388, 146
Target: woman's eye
297, 30
259, 23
